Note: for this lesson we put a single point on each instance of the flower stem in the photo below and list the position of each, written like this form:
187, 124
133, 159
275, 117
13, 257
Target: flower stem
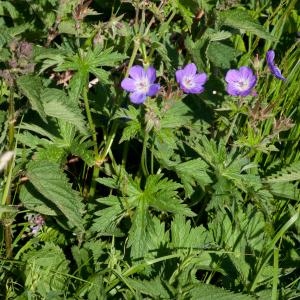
231, 128
144, 154
7, 193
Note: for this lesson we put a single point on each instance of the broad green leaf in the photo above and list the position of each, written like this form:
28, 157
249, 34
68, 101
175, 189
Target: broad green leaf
221, 55
242, 20
211, 292
56, 104
52, 183
35, 201
45, 269
31, 87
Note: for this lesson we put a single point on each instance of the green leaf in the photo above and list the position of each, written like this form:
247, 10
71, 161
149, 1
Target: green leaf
211, 292
161, 194
242, 20
35, 201
191, 173
57, 104
220, 54
52, 183
183, 236
31, 87
286, 174
46, 270
154, 288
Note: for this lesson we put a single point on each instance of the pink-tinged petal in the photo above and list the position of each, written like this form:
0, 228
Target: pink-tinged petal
231, 90
196, 90
200, 79
232, 76
246, 72
137, 72
153, 90
128, 84
179, 76
151, 74
277, 73
137, 98
252, 82
190, 69
270, 57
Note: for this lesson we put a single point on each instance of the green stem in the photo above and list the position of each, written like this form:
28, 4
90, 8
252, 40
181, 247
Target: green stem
94, 137
144, 154
231, 128
7, 192
275, 274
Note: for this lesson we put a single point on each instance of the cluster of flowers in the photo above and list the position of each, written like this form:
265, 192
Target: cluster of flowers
141, 83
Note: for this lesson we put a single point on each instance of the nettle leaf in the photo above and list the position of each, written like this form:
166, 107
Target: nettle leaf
35, 201
49, 180
242, 20
46, 269
58, 105
154, 288
197, 50
31, 87
221, 55
286, 174
211, 292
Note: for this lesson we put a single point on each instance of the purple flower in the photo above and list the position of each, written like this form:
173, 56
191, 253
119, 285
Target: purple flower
141, 84
191, 82
240, 82
273, 68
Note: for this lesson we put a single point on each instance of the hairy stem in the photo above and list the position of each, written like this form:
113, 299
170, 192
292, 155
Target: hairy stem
11, 136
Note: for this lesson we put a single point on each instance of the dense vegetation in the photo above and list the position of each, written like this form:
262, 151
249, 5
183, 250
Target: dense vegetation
149, 149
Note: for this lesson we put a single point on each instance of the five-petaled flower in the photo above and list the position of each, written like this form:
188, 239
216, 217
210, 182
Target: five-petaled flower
141, 84
273, 68
240, 82
189, 81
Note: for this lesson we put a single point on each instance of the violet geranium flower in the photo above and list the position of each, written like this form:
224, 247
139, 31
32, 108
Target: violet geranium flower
240, 82
273, 68
189, 81
141, 84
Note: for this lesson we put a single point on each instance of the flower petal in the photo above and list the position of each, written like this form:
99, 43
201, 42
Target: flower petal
153, 90
277, 73
232, 76
137, 72
151, 74
196, 90
270, 57
137, 98
128, 84
246, 72
190, 69
179, 75
231, 90
200, 79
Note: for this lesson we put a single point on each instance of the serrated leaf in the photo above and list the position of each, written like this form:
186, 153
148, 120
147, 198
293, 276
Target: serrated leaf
220, 54
52, 183
56, 104
242, 20
211, 292
45, 269
154, 288
31, 87
35, 201
286, 174
191, 173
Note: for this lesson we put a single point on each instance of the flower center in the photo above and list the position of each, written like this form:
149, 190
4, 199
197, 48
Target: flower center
143, 85
188, 82
242, 85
